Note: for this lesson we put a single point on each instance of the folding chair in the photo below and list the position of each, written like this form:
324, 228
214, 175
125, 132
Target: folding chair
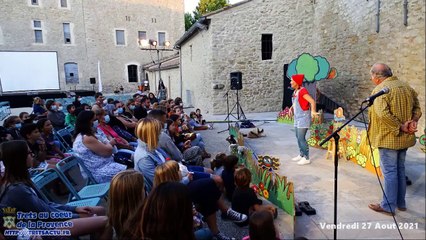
65, 138
44, 181
69, 170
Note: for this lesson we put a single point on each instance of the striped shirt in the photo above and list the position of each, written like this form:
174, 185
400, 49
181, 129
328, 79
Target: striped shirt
389, 112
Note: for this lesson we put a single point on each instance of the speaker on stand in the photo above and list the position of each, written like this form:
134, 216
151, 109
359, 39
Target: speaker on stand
237, 84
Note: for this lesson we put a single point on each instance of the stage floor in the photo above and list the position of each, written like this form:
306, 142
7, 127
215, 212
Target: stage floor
357, 187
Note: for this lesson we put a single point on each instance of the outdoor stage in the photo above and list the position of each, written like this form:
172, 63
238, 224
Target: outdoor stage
314, 183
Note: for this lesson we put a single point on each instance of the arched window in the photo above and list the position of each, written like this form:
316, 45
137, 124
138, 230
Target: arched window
132, 73
71, 72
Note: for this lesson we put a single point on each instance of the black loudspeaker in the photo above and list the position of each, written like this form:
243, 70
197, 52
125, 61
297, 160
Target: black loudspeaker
92, 80
236, 81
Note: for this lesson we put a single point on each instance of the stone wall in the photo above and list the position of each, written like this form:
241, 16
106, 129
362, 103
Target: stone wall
342, 31
171, 79
197, 70
94, 23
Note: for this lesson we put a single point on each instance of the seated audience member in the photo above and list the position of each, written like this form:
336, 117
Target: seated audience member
77, 101
37, 146
167, 214
261, 226
200, 119
177, 132
18, 191
126, 194
217, 164
97, 156
129, 109
129, 123
110, 106
204, 194
152, 98
103, 120
99, 101
244, 199
25, 117
229, 165
5, 135
191, 155
178, 102
139, 112
192, 121
146, 103
38, 107
55, 115
70, 118
52, 146
12, 125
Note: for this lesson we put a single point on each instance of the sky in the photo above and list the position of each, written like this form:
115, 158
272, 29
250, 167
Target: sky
191, 4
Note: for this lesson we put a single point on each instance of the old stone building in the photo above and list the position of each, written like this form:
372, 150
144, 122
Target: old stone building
84, 33
352, 35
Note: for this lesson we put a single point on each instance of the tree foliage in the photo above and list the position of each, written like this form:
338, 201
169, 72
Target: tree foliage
189, 21
204, 6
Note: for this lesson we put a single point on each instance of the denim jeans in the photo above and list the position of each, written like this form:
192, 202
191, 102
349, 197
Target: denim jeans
301, 141
393, 169
198, 141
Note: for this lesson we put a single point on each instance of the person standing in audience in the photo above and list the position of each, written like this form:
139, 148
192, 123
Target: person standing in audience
97, 156
126, 194
18, 191
55, 115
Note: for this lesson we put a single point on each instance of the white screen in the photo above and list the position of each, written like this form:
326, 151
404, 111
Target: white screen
28, 71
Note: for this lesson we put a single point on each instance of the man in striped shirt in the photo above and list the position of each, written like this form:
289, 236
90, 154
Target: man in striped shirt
392, 123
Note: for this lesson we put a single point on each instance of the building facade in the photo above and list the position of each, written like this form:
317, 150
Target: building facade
347, 33
85, 33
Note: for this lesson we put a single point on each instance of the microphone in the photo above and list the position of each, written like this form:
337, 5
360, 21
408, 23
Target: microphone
371, 98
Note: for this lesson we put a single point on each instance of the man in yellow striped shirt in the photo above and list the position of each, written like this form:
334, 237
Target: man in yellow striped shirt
392, 122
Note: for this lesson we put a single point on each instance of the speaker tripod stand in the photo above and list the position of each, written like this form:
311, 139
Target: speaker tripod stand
237, 106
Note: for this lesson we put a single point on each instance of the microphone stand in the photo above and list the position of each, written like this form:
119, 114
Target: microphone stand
336, 137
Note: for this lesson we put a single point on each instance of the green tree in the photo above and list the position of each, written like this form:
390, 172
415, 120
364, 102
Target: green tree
189, 20
204, 6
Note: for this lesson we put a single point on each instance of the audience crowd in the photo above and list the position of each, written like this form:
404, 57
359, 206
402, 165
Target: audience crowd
151, 154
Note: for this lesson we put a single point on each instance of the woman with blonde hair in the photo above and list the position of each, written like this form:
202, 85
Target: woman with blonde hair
126, 194
146, 156
167, 172
38, 107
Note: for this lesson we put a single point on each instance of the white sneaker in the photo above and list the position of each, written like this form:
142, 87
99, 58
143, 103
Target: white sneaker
296, 158
303, 161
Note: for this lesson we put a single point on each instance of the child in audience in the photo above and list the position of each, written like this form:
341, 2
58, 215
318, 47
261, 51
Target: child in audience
37, 146
244, 199
70, 118
25, 117
199, 116
262, 227
217, 164
126, 194
53, 146
229, 166
13, 124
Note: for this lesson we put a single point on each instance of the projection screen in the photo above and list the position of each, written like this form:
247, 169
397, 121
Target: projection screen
28, 71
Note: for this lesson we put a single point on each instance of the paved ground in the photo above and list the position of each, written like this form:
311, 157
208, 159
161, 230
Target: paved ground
314, 183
